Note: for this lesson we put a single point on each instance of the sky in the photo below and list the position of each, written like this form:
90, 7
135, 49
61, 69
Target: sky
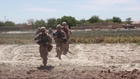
19, 11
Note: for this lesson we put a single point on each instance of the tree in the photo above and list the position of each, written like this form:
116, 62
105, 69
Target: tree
80, 22
9, 23
51, 23
58, 21
2, 24
40, 23
128, 20
94, 19
117, 19
106, 20
71, 21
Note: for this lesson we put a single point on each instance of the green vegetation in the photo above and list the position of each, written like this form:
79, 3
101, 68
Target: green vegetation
7, 23
71, 21
120, 36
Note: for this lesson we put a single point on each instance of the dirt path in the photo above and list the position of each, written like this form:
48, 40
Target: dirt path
86, 61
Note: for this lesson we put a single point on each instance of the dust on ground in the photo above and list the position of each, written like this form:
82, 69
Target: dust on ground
86, 61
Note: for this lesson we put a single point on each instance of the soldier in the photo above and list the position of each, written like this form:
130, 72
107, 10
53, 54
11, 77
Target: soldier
38, 31
45, 41
68, 32
60, 40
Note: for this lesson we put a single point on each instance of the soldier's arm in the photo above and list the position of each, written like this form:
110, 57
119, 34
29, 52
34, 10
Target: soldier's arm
64, 37
64, 34
69, 31
37, 37
50, 39
38, 31
54, 35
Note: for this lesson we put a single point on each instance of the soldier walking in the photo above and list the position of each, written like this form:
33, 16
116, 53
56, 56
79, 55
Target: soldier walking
68, 32
60, 40
44, 41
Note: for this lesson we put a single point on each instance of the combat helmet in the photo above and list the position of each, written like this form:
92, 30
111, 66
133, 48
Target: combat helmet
42, 29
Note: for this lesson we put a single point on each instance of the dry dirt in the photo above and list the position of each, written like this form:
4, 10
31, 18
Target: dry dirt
86, 61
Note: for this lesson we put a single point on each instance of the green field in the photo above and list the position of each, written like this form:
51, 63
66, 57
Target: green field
95, 36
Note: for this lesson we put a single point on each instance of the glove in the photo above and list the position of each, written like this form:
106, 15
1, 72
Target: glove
54, 34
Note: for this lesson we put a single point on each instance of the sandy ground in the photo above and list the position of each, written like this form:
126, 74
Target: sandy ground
86, 61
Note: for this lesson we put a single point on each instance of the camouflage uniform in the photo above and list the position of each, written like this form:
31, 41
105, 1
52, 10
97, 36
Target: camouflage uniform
68, 33
44, 40
60, 40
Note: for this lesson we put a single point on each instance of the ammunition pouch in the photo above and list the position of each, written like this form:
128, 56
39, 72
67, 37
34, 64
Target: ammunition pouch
50, 48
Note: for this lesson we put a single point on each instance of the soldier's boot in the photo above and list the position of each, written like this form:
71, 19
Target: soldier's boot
65, 50
57, 51
45, 61
64, 53
60, 57
57, 55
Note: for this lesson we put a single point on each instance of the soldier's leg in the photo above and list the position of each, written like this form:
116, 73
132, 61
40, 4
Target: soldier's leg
57, 49
62, 48
45, 54
40, 51
66, 48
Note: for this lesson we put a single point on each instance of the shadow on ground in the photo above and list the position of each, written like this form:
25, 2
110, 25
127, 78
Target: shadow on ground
45, 67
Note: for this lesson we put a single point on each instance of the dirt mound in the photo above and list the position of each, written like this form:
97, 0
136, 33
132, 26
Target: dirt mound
87, 61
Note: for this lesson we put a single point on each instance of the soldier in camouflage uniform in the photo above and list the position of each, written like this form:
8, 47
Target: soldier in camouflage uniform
68, 32
45, 41
60, 40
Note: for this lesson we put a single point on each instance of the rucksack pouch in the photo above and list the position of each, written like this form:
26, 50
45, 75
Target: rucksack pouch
50, 48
